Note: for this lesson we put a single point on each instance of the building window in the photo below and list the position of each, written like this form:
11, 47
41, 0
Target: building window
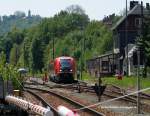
138, 22
105, 65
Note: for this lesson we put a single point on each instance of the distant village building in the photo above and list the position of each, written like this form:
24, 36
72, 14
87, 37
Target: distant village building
107, 20
29, 14
125, 33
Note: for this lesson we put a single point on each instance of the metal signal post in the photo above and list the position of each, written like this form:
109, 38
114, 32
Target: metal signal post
138, 59
126, 37
81, 60
138, 82
53, 50
24, 54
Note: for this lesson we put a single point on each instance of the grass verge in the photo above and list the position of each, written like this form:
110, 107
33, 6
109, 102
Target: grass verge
126, 82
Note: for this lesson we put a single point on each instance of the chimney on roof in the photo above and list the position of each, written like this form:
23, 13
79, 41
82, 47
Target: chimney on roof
147, 6
133, 4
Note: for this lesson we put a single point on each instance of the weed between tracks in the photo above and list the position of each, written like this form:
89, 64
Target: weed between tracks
126, 82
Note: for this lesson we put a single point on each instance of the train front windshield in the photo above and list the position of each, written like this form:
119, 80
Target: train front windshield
65, 63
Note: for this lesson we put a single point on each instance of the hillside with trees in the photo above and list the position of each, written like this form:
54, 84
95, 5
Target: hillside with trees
70, 30
20, 20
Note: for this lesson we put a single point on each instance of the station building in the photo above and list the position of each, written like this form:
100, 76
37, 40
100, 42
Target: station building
125, 34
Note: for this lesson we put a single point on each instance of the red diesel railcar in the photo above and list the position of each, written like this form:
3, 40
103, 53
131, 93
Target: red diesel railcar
64, 69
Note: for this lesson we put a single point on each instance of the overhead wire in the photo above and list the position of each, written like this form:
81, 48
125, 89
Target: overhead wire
99, 103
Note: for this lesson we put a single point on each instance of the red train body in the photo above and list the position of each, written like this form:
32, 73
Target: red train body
64, 69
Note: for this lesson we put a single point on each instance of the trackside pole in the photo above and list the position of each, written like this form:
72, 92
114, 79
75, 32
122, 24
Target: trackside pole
138, 83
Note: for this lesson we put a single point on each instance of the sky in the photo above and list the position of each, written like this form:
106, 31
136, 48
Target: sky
95, 9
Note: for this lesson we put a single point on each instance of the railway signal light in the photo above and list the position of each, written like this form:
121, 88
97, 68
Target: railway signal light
99, 90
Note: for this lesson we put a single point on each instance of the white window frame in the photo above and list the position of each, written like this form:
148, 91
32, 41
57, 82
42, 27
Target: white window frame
139, 22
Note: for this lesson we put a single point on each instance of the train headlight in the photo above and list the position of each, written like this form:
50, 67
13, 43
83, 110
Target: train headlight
60, 70
71, 70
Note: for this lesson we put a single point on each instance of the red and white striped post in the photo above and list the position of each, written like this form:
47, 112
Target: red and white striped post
28, 105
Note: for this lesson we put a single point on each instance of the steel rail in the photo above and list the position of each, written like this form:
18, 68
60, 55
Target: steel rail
90, 110
43, 101
89, 89
117, 87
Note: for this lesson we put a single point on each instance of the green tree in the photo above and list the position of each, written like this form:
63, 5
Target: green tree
14, 55
8, 72
16, 35
37, 55
98, 39
75, 9
19, 14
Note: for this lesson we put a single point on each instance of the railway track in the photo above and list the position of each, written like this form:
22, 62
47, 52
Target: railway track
45, 96
123, 92
114, 92
44, 102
